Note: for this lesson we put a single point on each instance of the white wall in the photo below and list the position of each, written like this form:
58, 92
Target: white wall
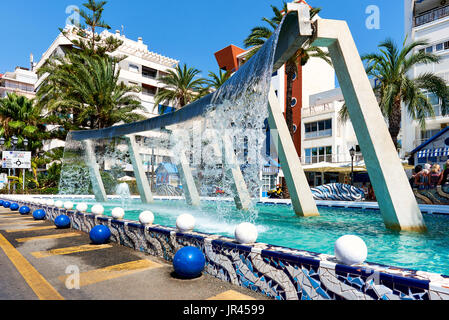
318, 76
434, 32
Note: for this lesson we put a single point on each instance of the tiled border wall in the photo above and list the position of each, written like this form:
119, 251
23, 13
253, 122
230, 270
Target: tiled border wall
278, 272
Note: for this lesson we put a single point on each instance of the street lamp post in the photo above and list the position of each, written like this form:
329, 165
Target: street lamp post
352, 153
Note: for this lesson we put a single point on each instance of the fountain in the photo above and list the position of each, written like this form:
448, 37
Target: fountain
123, 192
213, 151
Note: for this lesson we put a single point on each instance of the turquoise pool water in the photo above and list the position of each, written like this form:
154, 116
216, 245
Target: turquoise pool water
278, 225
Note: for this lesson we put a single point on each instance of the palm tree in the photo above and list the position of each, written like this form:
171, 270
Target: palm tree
84, 92
19, 116
181, 87
215, 80
259, 35
391, 67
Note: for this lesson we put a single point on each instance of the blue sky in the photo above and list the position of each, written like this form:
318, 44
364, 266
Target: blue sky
189, 31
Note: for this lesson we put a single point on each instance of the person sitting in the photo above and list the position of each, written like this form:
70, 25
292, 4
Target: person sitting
422, 178
434, 176
412, 180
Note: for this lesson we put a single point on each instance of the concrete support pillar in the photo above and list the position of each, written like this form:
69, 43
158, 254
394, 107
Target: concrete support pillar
397, 202
301, 196
141, 178
241, 195
188, 184
94, 172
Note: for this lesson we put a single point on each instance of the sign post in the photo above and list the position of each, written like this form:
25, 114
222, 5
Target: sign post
17, 160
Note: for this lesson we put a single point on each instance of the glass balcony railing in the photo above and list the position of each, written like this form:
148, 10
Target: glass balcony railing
431, 15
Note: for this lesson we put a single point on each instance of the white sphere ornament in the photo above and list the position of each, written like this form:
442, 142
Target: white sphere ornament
118, 213
185, 223
350, 250
68, 205
146, 218
81, 207
97, 209
59, 204
50, 202
246, 233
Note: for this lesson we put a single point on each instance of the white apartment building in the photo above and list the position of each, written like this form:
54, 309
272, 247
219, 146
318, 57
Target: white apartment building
427, 20
21, 81
325, 137
141, 67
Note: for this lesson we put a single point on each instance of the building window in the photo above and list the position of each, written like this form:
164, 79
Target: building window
435, 102
446, 45
149, 73
317, 155
149, 90
439, 47
295, 128
294, 76
318, 129
134, 68
429, 49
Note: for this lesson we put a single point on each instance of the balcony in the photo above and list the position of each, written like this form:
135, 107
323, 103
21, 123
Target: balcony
334, 158
319, 109
431, 15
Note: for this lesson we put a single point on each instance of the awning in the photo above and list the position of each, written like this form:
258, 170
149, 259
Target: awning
333, 167
437, 152
343, 167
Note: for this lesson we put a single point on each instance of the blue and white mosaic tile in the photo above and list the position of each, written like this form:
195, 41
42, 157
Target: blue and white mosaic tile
277, 272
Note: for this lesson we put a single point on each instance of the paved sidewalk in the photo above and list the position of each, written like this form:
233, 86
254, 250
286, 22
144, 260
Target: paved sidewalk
38, 261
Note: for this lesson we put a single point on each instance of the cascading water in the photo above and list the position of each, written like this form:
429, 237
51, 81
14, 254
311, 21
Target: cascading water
234, 117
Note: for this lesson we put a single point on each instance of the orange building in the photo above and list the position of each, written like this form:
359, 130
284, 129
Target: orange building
232, 57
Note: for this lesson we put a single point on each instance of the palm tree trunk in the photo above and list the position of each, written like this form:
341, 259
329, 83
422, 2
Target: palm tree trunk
394, 121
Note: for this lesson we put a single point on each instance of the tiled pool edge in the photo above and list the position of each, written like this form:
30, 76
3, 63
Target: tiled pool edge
278, 272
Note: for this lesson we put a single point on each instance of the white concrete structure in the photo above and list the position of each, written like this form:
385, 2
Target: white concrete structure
427, 20
396, 200
21, 81
141, 67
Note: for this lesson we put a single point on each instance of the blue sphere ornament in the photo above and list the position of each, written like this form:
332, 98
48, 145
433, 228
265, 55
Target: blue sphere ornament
6, 204
14, 207
100, 234
24, 210
39, 214
1, 202
189, 262
62, 222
